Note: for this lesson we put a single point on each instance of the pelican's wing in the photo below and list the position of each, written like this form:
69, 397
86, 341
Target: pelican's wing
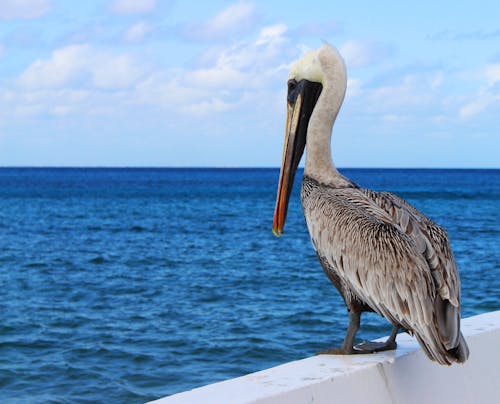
379, 262
433, 244
430, 238
382, 264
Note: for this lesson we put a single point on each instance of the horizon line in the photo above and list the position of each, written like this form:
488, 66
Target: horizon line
234, 167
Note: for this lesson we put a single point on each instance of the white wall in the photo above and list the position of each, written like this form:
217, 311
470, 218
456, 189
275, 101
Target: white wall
401, 376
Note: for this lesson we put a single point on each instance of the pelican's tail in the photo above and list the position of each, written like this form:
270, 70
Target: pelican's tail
441, 338
439, 352
461, 352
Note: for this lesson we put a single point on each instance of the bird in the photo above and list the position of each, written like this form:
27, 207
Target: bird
380, 252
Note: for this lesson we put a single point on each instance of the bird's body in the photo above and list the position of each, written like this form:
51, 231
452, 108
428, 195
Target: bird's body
385, 256
380, 252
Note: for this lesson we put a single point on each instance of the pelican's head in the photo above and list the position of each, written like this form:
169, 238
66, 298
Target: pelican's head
308, 77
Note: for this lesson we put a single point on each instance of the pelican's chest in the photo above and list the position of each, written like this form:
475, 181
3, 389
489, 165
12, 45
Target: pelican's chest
330, 214
308, 187
308, 195
314, 202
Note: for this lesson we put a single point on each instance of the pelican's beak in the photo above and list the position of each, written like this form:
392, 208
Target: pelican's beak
302, 98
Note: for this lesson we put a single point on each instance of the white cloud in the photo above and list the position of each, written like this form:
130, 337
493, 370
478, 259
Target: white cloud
84, 79
492, 73
354, 87
64, 65
271, 33
81, 65
487, 96
114, 71
318, 30
409, 91
437, 81
395, 118
218, 76
361, 53
27, 9
236, 18
477, 105
399, 98
27, 102
419, 92
230, 76
230, 18
206, 107
244, 65
137, 32
133, 6
422, 97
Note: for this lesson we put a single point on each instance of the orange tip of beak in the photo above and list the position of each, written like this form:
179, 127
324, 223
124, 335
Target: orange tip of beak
277, 232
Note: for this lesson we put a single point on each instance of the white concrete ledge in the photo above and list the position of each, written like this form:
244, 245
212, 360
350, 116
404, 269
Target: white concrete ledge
401, 376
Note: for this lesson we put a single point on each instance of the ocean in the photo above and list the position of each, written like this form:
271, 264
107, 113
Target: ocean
126, 285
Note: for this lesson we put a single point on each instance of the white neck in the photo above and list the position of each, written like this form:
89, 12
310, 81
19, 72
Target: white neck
319, 164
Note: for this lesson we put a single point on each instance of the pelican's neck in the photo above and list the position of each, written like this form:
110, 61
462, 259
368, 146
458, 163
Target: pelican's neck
319, 164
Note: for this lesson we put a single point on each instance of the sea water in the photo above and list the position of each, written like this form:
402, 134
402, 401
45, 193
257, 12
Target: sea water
125, 285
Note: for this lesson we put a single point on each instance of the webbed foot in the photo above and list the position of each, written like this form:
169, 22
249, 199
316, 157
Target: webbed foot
372, 346
366, 347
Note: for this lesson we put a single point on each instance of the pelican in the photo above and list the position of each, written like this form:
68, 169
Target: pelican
380, 252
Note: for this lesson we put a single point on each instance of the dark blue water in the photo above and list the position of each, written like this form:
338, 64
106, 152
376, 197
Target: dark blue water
125, 285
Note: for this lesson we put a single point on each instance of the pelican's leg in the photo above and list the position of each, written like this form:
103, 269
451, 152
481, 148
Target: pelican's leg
366, 347
372, 346
347, 346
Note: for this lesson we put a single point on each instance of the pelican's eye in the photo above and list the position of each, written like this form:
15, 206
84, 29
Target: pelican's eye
292, 85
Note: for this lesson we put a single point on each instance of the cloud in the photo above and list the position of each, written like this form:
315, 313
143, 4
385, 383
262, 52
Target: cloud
248, 75
411, 98
477, 35
137, 32
496, 57
234, 19
318, 30
412, 90
245, 72
492, 74
88, 80
133, 6
219, 76
272, 33
244, 64
354, 87
30, 102
205, 107
487, 96
64, 65
422, 91
81, 66
363, 53
417, 96
76, 79
26, 9
478, 105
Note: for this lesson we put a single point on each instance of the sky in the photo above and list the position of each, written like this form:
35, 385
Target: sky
202, 83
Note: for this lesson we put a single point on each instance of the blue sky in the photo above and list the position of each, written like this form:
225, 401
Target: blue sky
192, 83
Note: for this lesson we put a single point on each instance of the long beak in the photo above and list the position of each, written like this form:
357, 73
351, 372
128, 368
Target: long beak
293, 149
302, 98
